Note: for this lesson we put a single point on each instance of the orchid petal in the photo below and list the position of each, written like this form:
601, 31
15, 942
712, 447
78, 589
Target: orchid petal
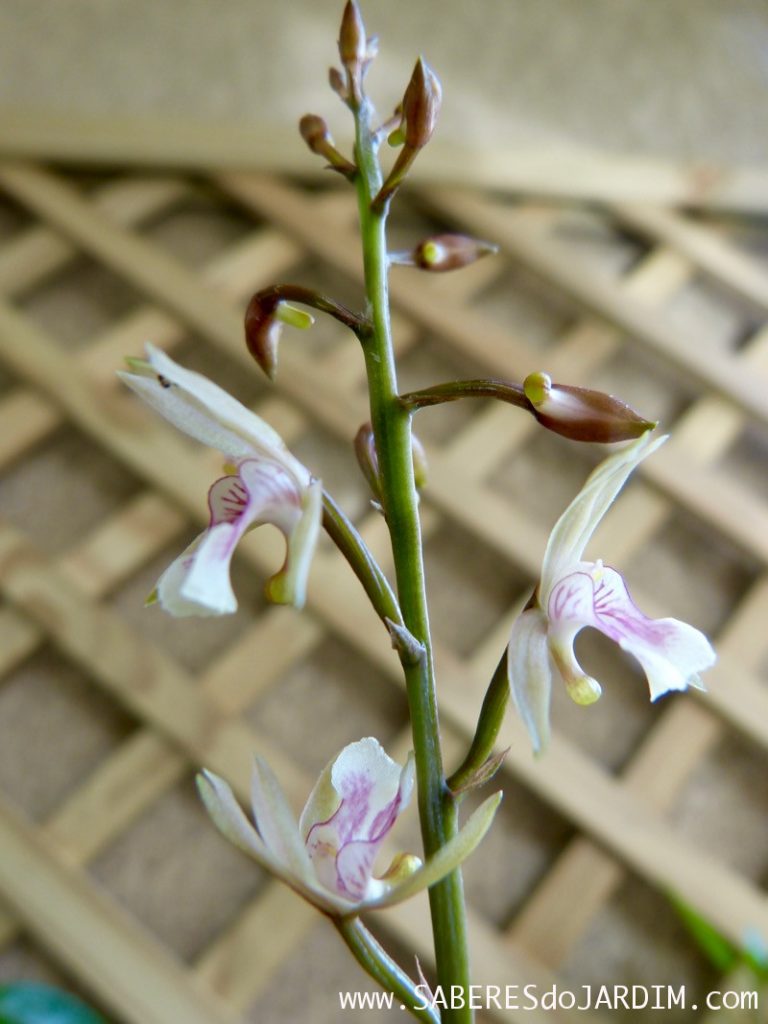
198, 582
574, 528
168, 589
364, 790
447, 858
671, 652
289, 585
276, 823
530, 674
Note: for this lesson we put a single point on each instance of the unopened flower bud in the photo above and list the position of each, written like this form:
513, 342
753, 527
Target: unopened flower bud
421, 105
420, 465
365, 451
582, 414
338, 83
264, 318
450, 252
352, 42
314, 131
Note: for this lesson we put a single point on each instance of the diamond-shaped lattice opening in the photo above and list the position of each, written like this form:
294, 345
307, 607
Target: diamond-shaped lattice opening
543, 476
63, 489
193, 642
747, 460
326, 700
516, 854
173, 850
469, 586
598, 242
526, 308
200, 228
638, 939
690, 572
56, 727
712, 313
82, 301
638, 378
723, 810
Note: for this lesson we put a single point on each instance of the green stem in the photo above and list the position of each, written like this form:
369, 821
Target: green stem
392, 431
481, 763
383, 969
346, 538
487, 387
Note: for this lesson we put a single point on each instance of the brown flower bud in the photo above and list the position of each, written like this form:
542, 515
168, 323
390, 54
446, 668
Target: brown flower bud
365, 450
352, 42
421, 105
450, 252
338, 83
264, 318
420, 464
314, 131
262, 332
582, 414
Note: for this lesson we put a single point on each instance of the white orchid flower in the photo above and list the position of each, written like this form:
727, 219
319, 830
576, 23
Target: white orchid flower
328, 856
573, 593
264, 483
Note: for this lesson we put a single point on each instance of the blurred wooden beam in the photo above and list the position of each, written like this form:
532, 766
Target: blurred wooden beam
561, 171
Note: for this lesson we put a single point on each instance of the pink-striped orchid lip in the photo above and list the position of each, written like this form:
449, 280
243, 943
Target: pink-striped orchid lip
574, 594
329, 855
266, 485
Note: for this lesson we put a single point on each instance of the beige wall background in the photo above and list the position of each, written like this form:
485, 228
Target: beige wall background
674, 78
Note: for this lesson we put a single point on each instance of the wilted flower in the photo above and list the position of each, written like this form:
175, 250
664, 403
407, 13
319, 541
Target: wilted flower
264, 483
573, 594
328, 856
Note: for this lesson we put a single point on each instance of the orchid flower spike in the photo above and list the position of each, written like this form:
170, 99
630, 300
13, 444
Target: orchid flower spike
264, 483
573, 593
328, 856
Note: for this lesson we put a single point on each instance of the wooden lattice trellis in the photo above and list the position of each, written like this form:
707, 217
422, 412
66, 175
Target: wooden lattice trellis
618, 817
